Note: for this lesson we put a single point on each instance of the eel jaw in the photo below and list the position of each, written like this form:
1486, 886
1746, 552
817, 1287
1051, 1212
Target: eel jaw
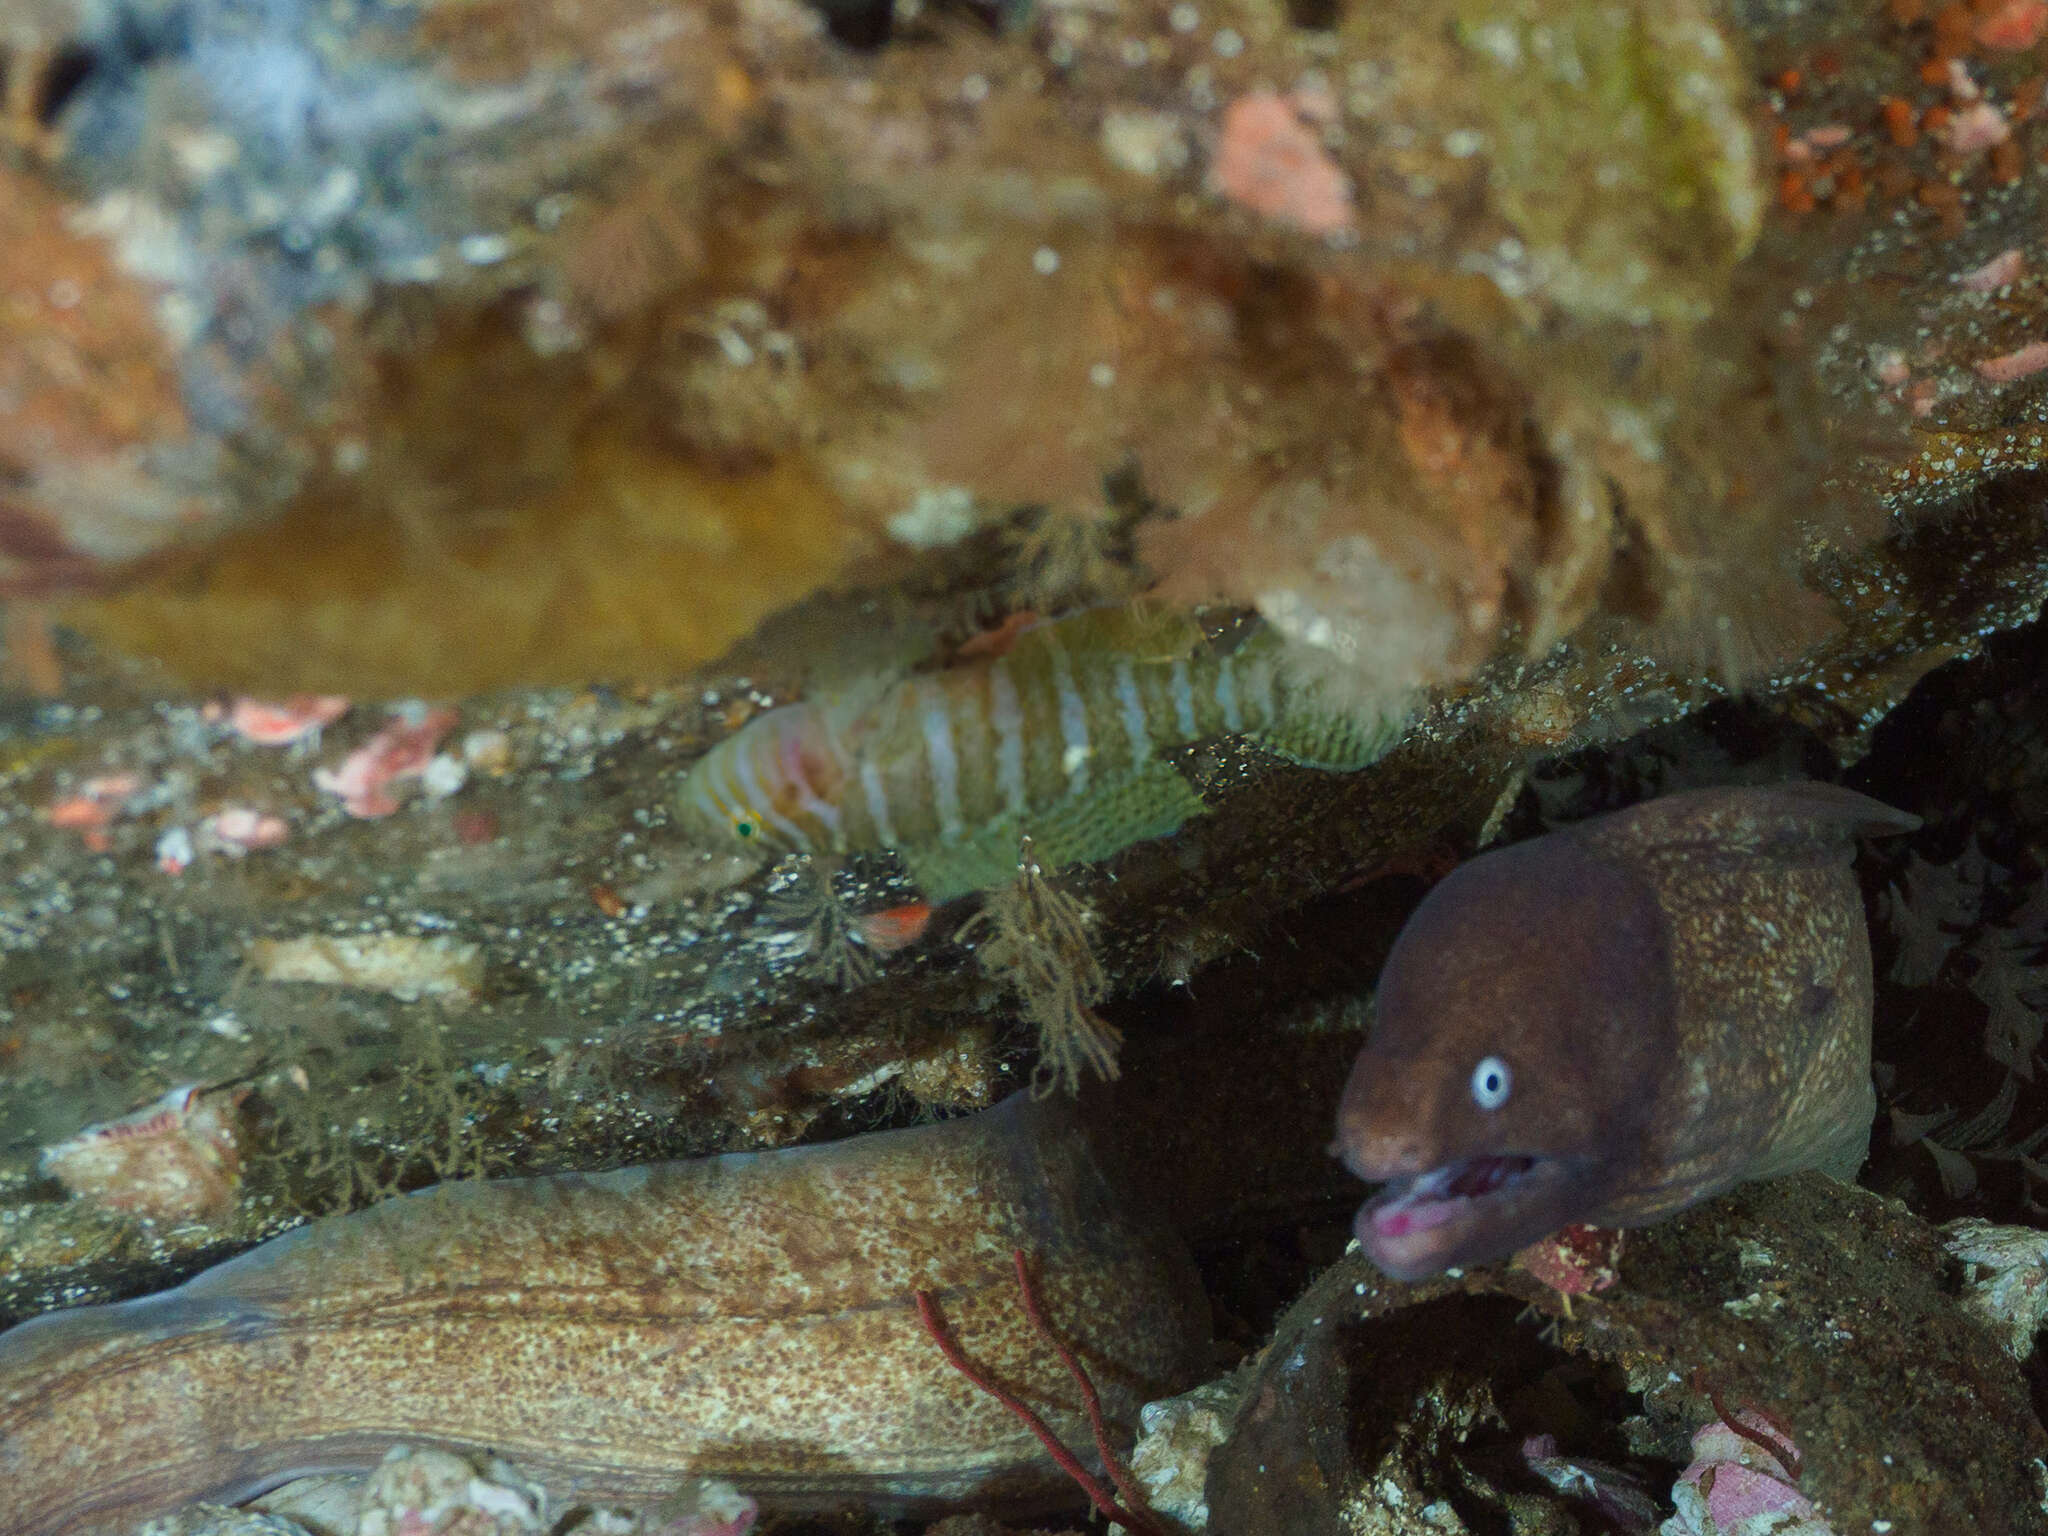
1467, 1212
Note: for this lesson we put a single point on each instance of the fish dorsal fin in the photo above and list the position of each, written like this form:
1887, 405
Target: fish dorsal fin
1139, 631
1787, 821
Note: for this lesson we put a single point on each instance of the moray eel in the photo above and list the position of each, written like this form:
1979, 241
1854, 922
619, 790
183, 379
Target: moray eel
748, 1317
1612, 1022
1063, 737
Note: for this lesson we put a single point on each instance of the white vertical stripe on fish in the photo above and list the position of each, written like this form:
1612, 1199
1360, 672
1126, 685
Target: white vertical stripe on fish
937, 722
1133, 706
878, 802
1073, 718
1258, 682
1226, 695
1183, 700
1006, 718
720, 785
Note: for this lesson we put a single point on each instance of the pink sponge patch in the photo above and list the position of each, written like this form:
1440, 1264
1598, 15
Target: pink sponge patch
1272, 162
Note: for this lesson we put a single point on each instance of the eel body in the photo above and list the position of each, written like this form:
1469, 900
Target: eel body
1609, 1023
1062, 737
749, 1317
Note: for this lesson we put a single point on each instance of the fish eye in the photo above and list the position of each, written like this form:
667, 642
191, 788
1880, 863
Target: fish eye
1491, 1081
743, 828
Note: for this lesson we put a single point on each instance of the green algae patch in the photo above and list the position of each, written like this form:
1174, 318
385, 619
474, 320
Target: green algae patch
1619, 145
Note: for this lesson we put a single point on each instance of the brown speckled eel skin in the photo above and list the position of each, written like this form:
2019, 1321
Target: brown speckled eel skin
748, 1317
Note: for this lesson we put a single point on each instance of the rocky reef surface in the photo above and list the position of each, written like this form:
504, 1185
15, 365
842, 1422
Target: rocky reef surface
1644, 397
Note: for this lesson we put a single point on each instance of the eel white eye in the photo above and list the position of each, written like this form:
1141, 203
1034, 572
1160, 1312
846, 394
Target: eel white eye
1491, 1081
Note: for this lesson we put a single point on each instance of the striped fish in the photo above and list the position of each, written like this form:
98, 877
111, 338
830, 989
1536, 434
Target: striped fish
1061, 737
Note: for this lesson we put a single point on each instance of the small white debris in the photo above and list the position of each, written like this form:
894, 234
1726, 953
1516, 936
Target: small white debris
174, 851
2008, 1286
488, 751
405, 968
1752, 1304
445, 775
227, 1026
1175, 1438
484, 250
1146, 144
936, 518
429, 1490
552, 327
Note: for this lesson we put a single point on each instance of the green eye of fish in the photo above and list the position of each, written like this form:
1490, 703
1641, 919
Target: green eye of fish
1491, 1081
743, 828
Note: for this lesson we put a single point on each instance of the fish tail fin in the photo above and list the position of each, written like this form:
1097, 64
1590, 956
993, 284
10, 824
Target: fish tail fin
1136, 629
1340, 734
1323, 717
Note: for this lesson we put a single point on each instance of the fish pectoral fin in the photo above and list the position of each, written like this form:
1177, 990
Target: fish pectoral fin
1132, 807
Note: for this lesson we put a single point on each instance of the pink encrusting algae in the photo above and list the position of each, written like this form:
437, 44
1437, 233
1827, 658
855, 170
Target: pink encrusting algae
272, 723
1977, 125
239, 829
94, 806
2012, 366
1270, 161
2000, 271
1743, 1478
2014, 26
1575, 1260
398, 753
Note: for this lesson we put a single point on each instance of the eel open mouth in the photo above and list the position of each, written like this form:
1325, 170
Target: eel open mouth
1430, 1199
1467, 1212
